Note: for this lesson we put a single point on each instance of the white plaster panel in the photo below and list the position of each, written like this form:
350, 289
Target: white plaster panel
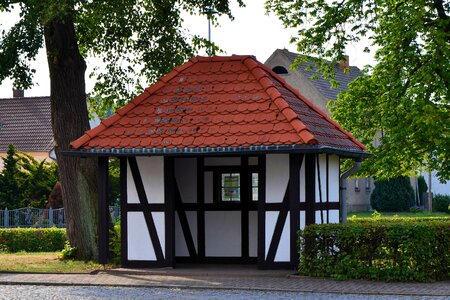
180, 241
223, 233
208, 187
302, 181
323, 178
277, 177
318, 218
333, 216
222, 161
158, 218
302, 219
139, 243
186, 177
132, 196
271, 220
152, 174
253, 233
333, 172
284, 247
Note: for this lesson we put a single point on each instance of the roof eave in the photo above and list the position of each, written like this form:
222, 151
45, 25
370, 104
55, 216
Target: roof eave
251, 150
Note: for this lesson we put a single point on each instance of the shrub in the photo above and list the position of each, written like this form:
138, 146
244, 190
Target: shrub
391, 251
32, 239
68, 252
115, 243
394, 194
441, 203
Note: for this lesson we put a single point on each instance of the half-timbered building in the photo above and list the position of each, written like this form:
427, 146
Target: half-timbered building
221, 162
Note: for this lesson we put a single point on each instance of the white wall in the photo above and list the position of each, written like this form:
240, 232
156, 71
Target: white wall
152, 174
223, 233
186, 178
277, 177
139, 245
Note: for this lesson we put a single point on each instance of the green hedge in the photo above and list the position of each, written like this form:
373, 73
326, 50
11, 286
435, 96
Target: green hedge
441, 203
394, 219
391, 251
32, 239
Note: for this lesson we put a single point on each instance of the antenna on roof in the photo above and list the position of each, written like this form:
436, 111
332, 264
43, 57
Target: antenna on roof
209, 12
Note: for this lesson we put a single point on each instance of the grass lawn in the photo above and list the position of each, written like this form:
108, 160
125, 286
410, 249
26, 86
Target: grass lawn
424, 214
44, 262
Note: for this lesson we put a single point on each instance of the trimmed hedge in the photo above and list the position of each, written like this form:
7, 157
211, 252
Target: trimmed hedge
396, 219
441, 203
32, 239
391, 251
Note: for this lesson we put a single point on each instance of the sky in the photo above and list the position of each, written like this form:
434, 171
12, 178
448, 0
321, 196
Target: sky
252, 32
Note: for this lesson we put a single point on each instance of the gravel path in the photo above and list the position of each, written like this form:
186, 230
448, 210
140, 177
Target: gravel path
111, 293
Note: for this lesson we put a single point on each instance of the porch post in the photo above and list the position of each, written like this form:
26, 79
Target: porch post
103, 210
169, 209
295, 161
310, 188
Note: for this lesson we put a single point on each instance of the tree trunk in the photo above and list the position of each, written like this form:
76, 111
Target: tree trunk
69, 121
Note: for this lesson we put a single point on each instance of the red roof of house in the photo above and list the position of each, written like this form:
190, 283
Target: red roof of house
208, 103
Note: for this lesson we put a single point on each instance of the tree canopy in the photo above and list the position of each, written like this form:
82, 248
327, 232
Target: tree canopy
403, 101
136, 40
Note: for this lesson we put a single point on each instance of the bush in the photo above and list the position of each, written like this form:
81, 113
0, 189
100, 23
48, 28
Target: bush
391, 251
32, 239
115, 243
441, 203
394, 194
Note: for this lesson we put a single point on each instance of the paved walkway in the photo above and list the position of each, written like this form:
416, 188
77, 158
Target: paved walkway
236, 278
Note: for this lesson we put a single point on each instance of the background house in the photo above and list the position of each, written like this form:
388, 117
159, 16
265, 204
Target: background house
319, 92
25, 122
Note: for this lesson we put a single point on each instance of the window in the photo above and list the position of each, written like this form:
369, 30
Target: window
255, 178
367, 184
356, 184
230, 186
280, 70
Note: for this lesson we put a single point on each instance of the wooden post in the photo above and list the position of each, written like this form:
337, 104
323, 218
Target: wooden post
103, 211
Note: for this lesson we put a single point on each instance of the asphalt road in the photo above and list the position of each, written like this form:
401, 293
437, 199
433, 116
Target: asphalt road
111, 293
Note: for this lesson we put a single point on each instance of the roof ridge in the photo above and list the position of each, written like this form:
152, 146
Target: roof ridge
312, 106
292, 117
24, 98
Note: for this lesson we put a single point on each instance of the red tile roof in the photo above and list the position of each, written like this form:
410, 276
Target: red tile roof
212, 102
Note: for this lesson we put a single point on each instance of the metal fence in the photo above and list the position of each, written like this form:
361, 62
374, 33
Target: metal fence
41, 217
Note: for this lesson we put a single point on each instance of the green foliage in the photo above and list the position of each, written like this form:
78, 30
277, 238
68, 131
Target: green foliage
39, 179
114, 183
391, 251
10, 179
397, 219
422, 187
25, 181
68, 252
441, 203
32, 239
403, 101
115, 243
394, 194
137, 41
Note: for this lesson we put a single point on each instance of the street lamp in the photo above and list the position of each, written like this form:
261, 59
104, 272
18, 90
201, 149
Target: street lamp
209, 12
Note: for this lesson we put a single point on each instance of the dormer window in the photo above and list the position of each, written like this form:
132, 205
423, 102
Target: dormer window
280, 70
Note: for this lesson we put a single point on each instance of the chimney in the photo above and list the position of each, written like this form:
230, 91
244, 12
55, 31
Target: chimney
18, 93
344, 63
